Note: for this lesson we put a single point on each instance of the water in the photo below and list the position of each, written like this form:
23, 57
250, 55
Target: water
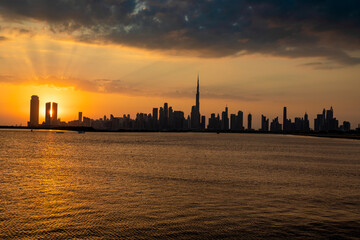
177, 186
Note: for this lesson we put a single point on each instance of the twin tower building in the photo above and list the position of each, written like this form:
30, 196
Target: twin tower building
51, 113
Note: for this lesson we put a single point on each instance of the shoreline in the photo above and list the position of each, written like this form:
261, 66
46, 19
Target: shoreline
351, 135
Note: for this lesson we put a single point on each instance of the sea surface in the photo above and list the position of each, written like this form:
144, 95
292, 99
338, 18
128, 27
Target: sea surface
177, 186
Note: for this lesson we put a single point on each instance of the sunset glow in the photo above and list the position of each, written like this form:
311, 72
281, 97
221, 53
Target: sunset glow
179, 119
100, 77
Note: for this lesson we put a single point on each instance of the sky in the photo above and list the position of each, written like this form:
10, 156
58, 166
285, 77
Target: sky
119, 57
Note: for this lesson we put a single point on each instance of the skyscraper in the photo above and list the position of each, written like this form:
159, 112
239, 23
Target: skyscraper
198, 96
264, 124
48, 114
195, 110
80, 117
249, 121
155, 118
285, 119
275, 126
225, 119
166, 116
239, 123
51, 111
54, 115
34, 111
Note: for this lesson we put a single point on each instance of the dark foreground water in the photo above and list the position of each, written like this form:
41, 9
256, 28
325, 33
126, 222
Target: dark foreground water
177, 186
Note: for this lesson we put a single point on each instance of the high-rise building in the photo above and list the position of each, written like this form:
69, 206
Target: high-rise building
306, 123
171, 118
249, 121
225, 119
346, 126
233, 122
48, 113
166, 116
51, 114
195, 110
239, 122
155, 118
179, 120
203, 122
54, 115
285, 119
275, 126
264, 124
34, 111
80, 117
198, 95
161, 118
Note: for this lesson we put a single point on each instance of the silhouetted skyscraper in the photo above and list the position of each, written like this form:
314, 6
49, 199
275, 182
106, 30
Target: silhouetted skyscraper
225, 119
80, 117
155, 118
166, 116
161, 118
264, 124
34, 111
195, 110
239, 122
232, 121
203, 122
48, 114
51, 111
198, 95
171, 118
54, 116
306, 122
249, 121
285, 119
275, 126
346, 126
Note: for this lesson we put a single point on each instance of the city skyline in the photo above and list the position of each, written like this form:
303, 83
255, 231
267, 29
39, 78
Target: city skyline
179, 119
255, 56
167, 118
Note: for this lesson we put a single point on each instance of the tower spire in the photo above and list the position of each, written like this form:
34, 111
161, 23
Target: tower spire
198, 95
198, 82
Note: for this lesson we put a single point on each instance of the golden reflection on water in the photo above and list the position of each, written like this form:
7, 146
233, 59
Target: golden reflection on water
51, 193
182, 186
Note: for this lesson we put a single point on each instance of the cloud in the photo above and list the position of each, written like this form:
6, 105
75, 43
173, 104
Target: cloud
7, 79
206, 28
126, 88
2, 38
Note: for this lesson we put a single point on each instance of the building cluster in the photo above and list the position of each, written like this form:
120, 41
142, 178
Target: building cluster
166, 118
326, 122
51, 113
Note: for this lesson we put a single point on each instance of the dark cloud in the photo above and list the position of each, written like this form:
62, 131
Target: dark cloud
2, 38
208, 28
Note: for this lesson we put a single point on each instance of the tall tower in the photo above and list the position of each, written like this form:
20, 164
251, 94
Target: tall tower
51, 111
54, 115
198, 96
80, 117
34, 111
195, 110
249, 121
285, 120
48, 113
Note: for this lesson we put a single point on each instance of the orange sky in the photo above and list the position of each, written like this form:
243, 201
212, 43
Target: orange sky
102, 79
